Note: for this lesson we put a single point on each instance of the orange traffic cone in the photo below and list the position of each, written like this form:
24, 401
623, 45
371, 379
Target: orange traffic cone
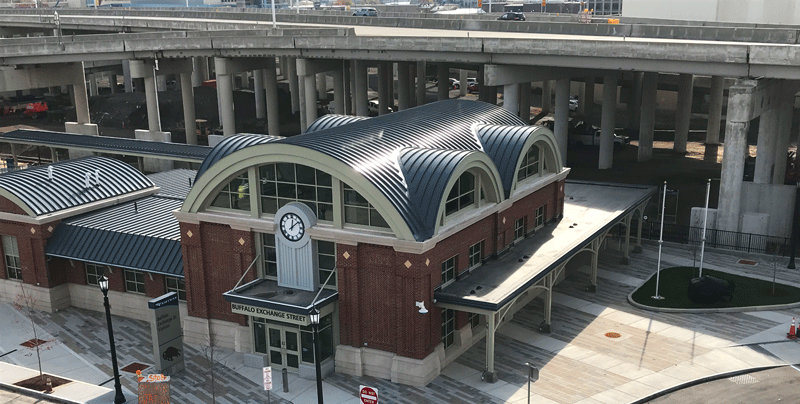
792, 331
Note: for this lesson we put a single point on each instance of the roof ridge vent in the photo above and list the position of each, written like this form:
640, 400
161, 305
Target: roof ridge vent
50, 173
97, 177
87, 178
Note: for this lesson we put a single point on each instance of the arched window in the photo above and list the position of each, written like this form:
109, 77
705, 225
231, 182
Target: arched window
235, 195
530, 165
357, 210
462, 195
282, 183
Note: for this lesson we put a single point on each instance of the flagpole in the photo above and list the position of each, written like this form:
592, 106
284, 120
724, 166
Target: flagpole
660, 242
705, 225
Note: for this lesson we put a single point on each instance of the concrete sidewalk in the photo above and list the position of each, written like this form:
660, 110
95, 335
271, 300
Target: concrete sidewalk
578, 362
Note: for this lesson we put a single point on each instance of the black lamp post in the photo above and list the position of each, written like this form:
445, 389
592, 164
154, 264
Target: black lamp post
119, 398
315, 324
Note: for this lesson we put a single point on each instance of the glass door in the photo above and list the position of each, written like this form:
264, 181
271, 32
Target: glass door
283, 347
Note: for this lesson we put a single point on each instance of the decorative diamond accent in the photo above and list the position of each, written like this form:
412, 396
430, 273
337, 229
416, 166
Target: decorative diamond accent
504, 220
50, 229
346, 255
33, 231
241, 241
427, 262
408, 264
189, 233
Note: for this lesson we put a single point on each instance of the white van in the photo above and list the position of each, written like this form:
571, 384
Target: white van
366, 12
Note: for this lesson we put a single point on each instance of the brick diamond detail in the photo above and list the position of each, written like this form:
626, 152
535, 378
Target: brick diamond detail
33, 231
189, 233
427, 262
504, 220
346, 255
50, 229
408, 264
241, 241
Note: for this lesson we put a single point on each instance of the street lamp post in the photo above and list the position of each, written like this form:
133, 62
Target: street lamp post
315, 325
119, 398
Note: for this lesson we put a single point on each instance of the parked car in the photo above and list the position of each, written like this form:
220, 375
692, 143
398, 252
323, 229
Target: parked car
512, 17
573, 103
455, 84
473, 87
374, 109
365, 12
584, 134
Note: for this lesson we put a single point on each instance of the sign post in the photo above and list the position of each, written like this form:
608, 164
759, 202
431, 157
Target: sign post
268, 382
154, 389
165, 326
368, 395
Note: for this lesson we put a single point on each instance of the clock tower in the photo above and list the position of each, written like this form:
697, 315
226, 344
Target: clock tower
296, 254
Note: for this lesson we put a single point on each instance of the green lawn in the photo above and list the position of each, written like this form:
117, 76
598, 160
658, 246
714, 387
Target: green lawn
674, 286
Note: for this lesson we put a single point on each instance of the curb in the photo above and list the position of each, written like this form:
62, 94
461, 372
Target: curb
37, 394
702, 380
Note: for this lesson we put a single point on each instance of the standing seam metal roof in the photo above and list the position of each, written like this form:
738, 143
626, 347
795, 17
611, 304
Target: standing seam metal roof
373, 148
67, 188
332, 121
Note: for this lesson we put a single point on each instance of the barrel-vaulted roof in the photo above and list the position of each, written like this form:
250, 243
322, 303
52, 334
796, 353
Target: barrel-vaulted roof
332, 121
409, 156
47, 189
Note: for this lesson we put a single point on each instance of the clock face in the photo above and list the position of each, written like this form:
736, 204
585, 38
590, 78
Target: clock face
292, 227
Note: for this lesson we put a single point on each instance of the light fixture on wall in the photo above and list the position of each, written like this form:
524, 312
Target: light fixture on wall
422, 309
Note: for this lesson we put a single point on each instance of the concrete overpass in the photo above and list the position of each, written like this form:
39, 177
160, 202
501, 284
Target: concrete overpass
761, 63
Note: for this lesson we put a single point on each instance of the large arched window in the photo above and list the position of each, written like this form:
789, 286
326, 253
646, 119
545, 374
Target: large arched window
530, 165
357, 210
235, 195
282, 183
462, 195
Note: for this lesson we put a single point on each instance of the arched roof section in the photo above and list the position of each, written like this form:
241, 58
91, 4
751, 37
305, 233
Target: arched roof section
332, 121
35, 193
506, 145
231, 145
370, 147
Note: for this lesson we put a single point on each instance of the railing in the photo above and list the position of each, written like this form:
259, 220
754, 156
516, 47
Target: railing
729, 240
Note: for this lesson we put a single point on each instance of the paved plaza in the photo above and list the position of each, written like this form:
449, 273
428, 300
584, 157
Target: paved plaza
578, 362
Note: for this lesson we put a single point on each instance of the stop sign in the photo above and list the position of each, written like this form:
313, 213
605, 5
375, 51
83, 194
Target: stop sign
368, 395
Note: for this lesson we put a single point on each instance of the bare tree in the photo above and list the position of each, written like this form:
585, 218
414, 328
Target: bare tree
25, 303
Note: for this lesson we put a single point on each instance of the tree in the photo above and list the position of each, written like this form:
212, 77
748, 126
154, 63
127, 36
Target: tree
25, 303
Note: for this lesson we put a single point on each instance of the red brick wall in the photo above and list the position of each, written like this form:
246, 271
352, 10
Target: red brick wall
10, 207
31, 240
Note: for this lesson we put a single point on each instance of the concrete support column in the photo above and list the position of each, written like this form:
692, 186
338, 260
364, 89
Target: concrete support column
79, 95
271, 87
582, 98
112, 83
294, 87
258, 83
126, 76
92, 85
561, 123
203, 63
525, 101
648, 115
634, 102
402, 86
767, 143
683, 115
383, 88
443, 87
547, 96
197, 79
784, 136
338, 91
491, 327
412, 90
310, 93
608, 122
161, 83
462, 80
589, 102
740, 102
715, 109
189, 118
225, 94
151, 95
421, 83
510, 98
361, 88
348, 87
390, 75
322, 86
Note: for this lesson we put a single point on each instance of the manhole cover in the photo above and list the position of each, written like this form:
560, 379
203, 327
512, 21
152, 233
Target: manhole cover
744, 379
747, 262
613, 335
133, 367
32, 343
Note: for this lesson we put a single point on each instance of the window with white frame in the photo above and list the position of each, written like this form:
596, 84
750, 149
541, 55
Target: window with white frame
539, 216
462, 195
11, 252
529, 167
357, 210
93, 273
269, 256
449, 270
448, 327
519, 229
176, 284
282, 183
476, 254
326, 258
235, 195
474, 320
134, 281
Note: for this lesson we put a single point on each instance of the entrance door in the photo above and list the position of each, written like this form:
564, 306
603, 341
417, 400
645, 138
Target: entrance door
284, 347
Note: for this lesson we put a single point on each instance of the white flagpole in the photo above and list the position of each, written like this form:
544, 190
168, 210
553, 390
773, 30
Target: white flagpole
274, 24
660, 242
705, 224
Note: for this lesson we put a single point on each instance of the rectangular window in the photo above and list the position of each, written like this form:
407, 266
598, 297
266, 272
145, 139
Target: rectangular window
93, 273
326, 258
282, 183
11, 252
539, 214
476, 254
325, 340
519, 229
269, 256
448, 327
357, 210
177, 285
449, 270
474, 320
134, 281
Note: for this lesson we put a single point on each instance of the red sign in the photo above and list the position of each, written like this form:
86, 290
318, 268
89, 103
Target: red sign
368, 395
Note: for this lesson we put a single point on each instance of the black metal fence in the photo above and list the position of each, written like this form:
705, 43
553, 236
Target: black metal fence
730, 240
